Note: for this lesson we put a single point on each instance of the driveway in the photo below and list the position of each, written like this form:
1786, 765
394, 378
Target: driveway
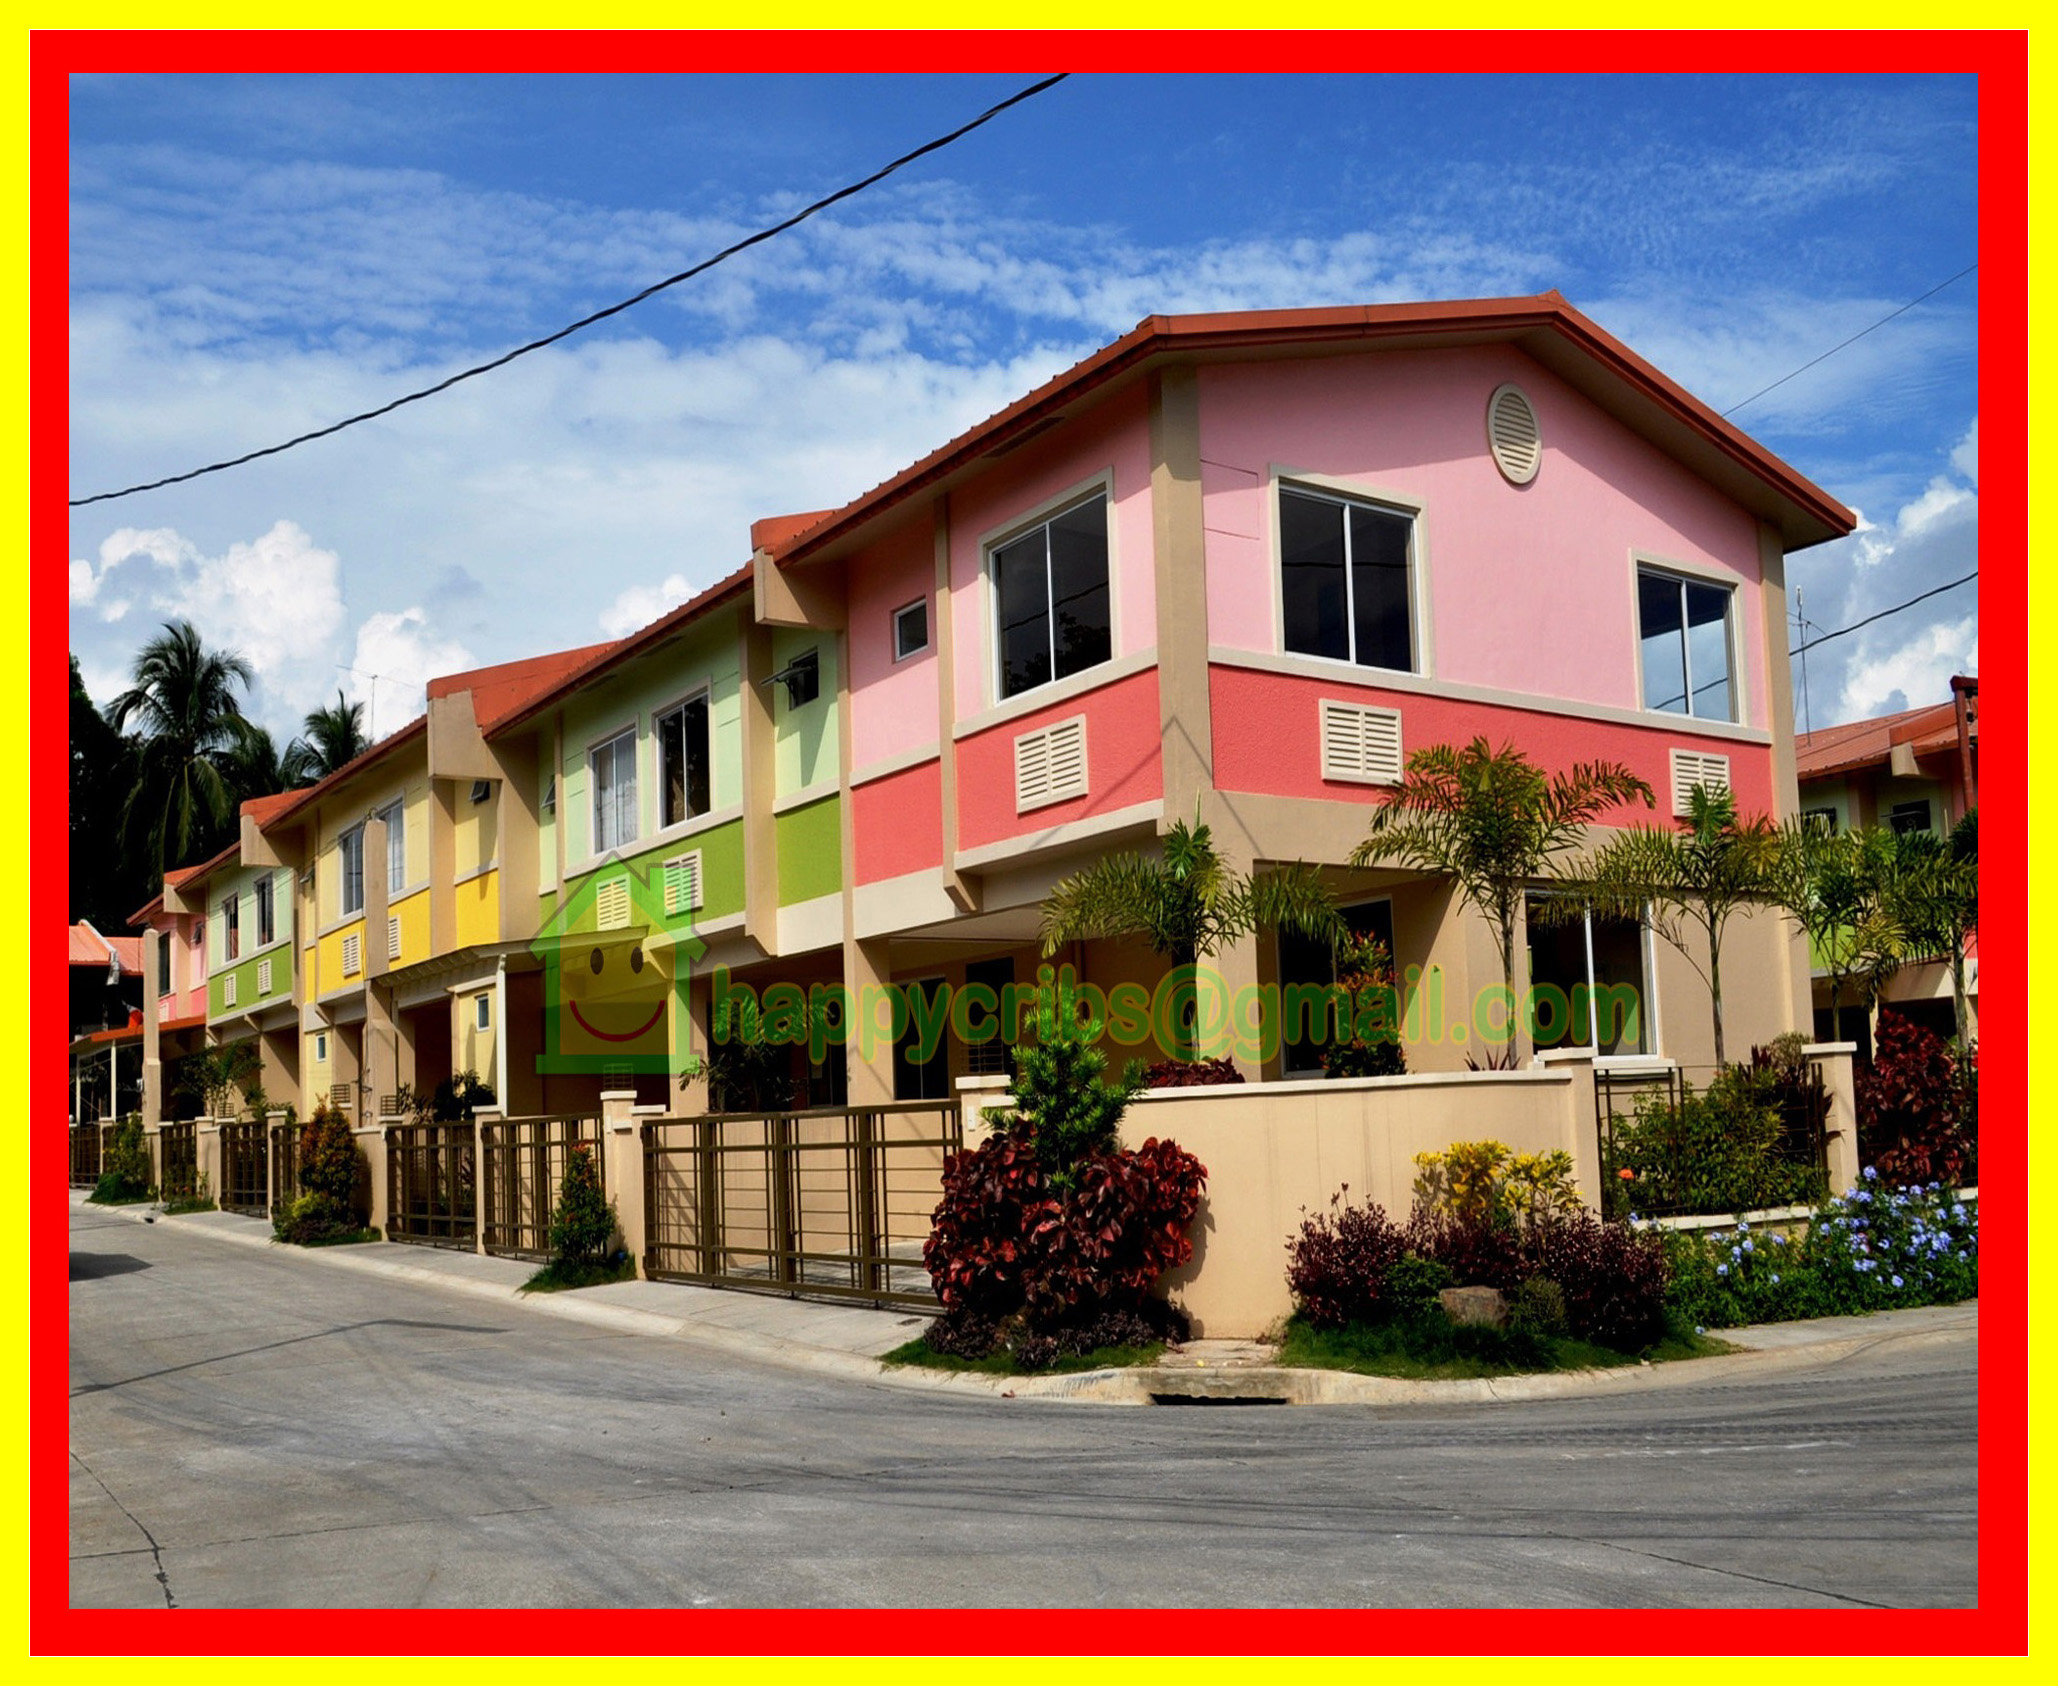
258, 1428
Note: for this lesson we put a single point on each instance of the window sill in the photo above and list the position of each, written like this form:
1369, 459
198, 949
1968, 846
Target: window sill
1058, 691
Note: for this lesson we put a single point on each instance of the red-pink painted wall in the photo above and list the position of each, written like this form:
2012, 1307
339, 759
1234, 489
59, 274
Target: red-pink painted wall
1122, 766
1114, 435
1268, 740
897, 823
893, 707
187, 977
1531, 588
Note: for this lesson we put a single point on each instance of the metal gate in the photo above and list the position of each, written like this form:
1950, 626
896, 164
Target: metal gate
830, 1201
246, 1168
178, 1161
430, 1187
523, 1164
85, 1155
284, 1167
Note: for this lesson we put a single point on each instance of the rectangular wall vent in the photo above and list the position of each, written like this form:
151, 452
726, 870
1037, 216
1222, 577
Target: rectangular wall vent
229, 990
1050, 764
682, 883
611, 904
1690, 769
392, 936
353, 954
264, 977
1360, 744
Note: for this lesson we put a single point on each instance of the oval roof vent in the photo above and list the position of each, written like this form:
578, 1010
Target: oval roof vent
1512, 436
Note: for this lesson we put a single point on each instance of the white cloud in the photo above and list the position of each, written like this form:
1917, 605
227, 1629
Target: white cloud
276, 600
395, 658
639, 605
1965, 459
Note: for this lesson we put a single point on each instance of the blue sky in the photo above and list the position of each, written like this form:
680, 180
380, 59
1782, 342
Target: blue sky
255, 256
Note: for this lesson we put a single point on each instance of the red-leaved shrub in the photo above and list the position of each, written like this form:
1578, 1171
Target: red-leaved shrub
1613, 1278
1337, 1265
1192, 1074
1918, 1108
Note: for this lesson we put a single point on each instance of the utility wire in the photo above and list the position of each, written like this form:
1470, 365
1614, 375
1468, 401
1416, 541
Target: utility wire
1948, 585
701, 268
1853, 340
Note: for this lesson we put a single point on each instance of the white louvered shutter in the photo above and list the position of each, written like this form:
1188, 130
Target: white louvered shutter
264, 977
392, 936
229, 990
682, 883
1050, 764
1360, 744
1512, 434
611, 904
353, 954
1691, 768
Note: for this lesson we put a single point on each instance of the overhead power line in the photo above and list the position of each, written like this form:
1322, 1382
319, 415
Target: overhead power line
1853, 340
634, 299
1948, 585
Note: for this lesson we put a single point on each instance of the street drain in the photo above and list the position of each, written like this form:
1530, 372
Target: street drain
1218, 1399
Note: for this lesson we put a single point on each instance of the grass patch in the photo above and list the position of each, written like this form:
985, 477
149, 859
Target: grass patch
922, 1356
191, 1203
1429, 1349
555, 1277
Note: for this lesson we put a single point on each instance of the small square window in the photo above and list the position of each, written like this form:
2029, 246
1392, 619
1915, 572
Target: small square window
482, 791
482, 1011
911, 630
1905, 817
1822, 819
321, 1047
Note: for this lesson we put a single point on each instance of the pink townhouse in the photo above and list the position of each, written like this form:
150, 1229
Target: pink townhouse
1235, 568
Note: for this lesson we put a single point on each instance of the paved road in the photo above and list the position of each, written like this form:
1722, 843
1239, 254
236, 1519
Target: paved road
260, 1429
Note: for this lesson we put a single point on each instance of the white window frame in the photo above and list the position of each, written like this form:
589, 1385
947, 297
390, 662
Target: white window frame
482, 1011
635, 816
232, 927
265, 894
1280, 477
1648, 1005
348, 843
321, 1047
395, 816
1100, 485
914, 650
1690, 574
703, 692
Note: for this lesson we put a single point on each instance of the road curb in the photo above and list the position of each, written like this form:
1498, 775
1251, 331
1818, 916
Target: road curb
1146, 1385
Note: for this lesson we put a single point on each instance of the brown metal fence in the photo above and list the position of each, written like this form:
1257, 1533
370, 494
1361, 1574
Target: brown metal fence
522, 1165
430, 1185
178, 1161
246, 1168
284, 1167
830, 1201
85, 1155
1803, 1108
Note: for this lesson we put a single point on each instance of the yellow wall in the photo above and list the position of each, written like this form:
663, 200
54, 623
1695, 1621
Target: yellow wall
477, 839
315, 1081
329, 959
478, 910
413, 914
472, 1049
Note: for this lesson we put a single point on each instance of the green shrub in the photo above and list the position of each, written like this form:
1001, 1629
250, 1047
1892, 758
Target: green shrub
308, 1219
582, 1227
1064, 1104
1488, 1183
124, 1165
1538, 1308
1412, 1286
1723, 1150
1365, 969
331, 1162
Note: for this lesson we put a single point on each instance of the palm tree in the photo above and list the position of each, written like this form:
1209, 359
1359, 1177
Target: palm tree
331, 737
1686, 882
1933, 896
252, 766
1188, 903
190, 727
1834, 884
1494, 823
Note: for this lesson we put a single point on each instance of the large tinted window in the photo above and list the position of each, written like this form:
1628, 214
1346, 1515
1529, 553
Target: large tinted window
614, 793
1587, 986
1344, 580
1051, 585
1684, 626
682, 761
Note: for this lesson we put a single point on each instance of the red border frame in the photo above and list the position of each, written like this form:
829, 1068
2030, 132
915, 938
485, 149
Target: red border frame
2000, 59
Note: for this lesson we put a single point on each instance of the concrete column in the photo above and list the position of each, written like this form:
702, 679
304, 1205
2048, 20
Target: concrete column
622, 1168
977, 1098
207, 1156
1839, 1078
371, 1141
114, 1080
1581, 1128
1185, 730
481, 1117
153, 988
866, 974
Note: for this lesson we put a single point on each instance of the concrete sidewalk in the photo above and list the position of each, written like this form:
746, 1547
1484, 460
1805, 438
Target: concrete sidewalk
848, 1340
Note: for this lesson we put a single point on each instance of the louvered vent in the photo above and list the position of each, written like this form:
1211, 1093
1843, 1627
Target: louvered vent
392, 936
1360, 745
229, 990
339, 1097
611, 905
353, 954
1690, 768
682, 883
1050, 764
264, 977
1512, 434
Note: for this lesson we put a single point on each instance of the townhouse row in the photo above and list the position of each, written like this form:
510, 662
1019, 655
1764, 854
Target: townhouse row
1231, 568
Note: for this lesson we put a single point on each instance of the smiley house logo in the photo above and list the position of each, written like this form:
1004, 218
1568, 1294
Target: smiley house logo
616, 970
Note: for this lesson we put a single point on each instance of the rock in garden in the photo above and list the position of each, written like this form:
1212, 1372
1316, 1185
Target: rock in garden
1475, 1305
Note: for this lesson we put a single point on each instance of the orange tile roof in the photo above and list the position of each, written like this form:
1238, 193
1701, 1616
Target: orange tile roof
90, 948
1545, 324
499, 691
1929, 730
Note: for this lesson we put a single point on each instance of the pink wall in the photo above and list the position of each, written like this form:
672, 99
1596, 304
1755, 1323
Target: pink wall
1268, 740
1122, 765
897, 823
892, 704
1115, 434
1531, 587
187, 993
